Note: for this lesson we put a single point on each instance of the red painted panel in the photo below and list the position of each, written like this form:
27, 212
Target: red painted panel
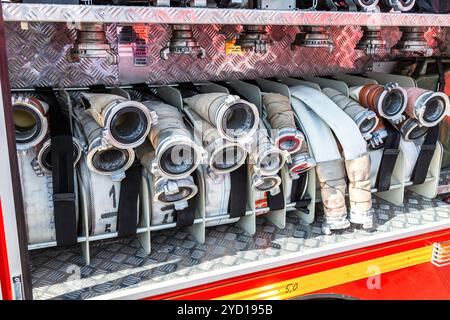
420, 282
4, 267
266, 277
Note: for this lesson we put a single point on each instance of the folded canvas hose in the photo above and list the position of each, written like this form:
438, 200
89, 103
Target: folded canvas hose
167, 191
357, 160
100, 158
388, 101
281, 119
365, 119
177, 155
217, 196
427, 107
235, 119
30, 121
330, 168
125, 123
224, 156
37, 191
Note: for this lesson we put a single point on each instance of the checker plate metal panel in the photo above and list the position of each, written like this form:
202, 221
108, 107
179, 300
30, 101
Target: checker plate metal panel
37, 56
134, 14
122, 264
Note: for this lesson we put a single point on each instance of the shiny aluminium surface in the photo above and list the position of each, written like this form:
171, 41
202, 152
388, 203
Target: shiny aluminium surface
134, 14
37, 55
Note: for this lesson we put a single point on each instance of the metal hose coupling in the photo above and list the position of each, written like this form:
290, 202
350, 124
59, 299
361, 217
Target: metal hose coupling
176, 153
92, 43
412, 42
182, 42
101, 158
313, 37
167, 191
44, 154
30, 121
263, 183
331, 175
427, 107
223, 156
378, 135
281, 118
372, 41
398, 5
125, 123
359, 189
411, 129
388, 101
253, 38
365, 119
235, 119
353, 5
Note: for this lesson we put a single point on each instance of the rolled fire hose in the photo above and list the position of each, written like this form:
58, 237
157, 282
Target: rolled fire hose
37, 191
235, 119
100, 197
100, 158
177, 155
357, 161
427, 107
30, 121
281, 119
167, 191
411, 129
125, 123
388, 101
365, 119
44, 156
217, 196
330, 168
224, 156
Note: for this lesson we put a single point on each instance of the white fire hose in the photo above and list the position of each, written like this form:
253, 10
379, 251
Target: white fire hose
224, 156
100, 158
235, 119
357, 160
125, 123
177, 155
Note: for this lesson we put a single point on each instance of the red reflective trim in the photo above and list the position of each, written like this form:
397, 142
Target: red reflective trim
4, 267
270, 276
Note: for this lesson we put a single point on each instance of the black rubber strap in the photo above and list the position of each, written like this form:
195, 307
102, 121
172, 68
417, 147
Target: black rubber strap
127, 213
276, 202
297, 189
388, 160
238, 194
64, 199
441, 74
186, 217
426, 154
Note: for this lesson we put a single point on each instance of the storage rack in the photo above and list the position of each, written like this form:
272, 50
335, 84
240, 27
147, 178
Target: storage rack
121, 269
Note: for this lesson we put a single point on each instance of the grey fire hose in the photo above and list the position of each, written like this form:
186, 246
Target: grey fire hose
125, 123
177, 155
224, 156
427, 107
330, 168
357, 161
281, 119
365, 119
37, 191
167, 191
30, 121
388, 101
234, 118
101, 158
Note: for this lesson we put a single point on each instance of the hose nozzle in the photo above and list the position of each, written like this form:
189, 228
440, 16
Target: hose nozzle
372, 41
314, 37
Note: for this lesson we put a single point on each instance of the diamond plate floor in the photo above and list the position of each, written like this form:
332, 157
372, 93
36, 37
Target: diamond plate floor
118, 265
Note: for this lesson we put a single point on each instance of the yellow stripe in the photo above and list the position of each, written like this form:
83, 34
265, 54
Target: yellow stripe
333, 277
